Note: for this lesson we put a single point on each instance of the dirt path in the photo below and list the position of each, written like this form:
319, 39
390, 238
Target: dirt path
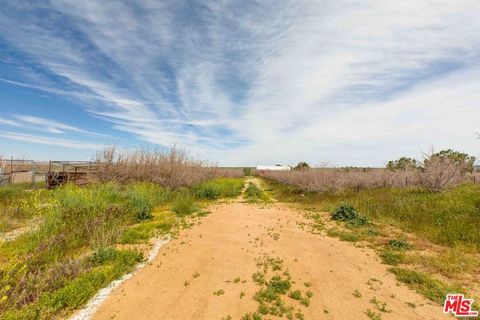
221, 252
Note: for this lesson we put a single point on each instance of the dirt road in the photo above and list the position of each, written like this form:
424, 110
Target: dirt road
207, 273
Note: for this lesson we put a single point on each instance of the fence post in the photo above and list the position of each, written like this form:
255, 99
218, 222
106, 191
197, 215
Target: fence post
11, 169
34, 176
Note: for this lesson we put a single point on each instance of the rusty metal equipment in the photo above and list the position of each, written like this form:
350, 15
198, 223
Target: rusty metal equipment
61, 172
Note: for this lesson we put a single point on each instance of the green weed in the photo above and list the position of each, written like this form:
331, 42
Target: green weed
399, 244
254, 194
373, 315
357, 294
450, 218
424, 284
392, 257
345, 235
184, 204
218, 188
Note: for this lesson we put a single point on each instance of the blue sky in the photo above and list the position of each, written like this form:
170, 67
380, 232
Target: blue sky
240, 82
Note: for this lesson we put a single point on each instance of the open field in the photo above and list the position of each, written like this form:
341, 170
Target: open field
308, 244
65, 244
255, 261
437, 233
239, 160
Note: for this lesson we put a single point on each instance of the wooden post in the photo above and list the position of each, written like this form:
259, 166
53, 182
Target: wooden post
11, 169
34, 176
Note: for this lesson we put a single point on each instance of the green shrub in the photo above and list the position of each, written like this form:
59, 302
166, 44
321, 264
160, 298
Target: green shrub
391, 257
184, 204
349, 214
399, 244
143, 197
218, 188
102, 255
345, 212
208, 191
295, 295
247, 172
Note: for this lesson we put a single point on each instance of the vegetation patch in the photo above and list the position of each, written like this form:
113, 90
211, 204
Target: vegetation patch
59, 265
184, 203
392, 257
218, 188
349, 214
424, 284
276, 284
399, 245
450, 218
373, 315
345, 235
254, 194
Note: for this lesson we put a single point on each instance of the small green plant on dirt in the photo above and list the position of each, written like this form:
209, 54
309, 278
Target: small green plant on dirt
299, 316
392, 257
357, 294
251, 316
399, 244
380, 305
196, 275
305, 301
295, 295
242, 294
374, 284
373, 315
349, 214
219, 293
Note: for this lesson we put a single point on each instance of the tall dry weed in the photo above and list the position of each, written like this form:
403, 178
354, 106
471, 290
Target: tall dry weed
436, 174
173, 168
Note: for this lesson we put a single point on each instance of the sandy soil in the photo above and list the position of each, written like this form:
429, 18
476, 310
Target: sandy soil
224, 246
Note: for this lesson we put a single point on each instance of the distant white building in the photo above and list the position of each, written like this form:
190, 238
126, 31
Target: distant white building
273, 168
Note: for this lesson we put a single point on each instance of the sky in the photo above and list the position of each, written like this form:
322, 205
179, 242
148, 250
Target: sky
336, 82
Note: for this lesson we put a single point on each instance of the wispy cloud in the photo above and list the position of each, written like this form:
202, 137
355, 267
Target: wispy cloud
263, 80
59, 142
49, 125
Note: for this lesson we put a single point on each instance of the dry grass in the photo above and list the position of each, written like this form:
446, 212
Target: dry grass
436, 174
333, 179
173, 169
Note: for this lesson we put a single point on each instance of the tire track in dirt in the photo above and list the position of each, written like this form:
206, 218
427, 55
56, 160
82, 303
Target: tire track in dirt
211, 256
